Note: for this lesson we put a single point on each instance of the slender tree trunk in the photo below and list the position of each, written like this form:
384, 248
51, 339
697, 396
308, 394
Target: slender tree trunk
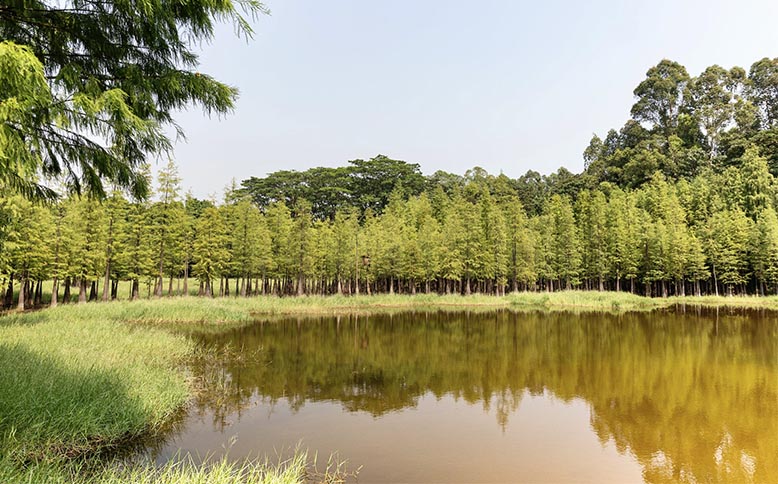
107, 279
186, 276
135, 290
38, 300
81, 290
22, 290
9, 293
54, 292
715, 281
66, 292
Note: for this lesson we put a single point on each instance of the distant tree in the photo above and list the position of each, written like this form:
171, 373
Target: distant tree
660, 96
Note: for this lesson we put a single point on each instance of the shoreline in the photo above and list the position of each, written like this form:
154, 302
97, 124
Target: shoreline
136, 351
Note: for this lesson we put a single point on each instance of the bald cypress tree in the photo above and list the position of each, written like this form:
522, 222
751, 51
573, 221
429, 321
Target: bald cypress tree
93, 85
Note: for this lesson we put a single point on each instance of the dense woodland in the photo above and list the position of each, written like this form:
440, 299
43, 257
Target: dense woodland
680, 200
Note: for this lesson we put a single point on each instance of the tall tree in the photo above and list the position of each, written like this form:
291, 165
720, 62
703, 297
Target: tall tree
660, 96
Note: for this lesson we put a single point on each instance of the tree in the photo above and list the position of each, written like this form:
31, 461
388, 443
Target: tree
756, 187
107, 80
762, 90
592, 221
660, 96
709, 98
210, 253
764, 248
564, 250
26, 100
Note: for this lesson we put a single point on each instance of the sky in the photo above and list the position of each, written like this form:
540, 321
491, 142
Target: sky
506, 85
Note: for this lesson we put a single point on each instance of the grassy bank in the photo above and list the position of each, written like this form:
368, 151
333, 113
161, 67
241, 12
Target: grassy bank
78, 379
71, 385
295, 470
237, 310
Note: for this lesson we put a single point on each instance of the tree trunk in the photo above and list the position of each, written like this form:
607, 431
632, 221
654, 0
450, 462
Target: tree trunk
81, 290
9, 293
66, 293
186, 277
22, 287
107, 279
54, 291
135, 291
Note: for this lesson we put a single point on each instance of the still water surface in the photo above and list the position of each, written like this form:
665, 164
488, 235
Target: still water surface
676, 396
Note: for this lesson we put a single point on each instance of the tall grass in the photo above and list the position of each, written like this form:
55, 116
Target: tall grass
295, 470
209, 311
74, 385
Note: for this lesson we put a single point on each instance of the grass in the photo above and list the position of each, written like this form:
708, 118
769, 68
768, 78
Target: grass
75, 385
297, 469
78, 379
209, 311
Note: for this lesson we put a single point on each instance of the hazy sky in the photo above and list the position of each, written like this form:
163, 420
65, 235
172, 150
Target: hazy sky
505, 85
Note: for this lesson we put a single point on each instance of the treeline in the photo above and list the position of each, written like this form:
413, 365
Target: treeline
717, 233
680, 126
682, 199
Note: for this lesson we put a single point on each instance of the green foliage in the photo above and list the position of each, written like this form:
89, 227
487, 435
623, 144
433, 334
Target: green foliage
89, 88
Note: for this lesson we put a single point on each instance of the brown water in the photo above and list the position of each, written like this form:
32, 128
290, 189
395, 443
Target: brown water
501, 397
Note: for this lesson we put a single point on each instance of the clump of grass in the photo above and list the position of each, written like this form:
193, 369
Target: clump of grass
296, 470
587, 300
71, 386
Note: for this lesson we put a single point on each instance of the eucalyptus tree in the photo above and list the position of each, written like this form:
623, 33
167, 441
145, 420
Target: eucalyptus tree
762, 90
660, 96
710, 100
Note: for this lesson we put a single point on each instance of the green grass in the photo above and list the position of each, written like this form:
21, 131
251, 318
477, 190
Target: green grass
297, 469
75, 385
83, 378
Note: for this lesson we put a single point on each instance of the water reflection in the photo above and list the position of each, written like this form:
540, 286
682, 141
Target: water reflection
691, 396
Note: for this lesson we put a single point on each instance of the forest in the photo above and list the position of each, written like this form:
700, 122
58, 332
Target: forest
680, 200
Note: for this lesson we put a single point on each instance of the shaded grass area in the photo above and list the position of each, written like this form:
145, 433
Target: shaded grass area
77, 384
71, 385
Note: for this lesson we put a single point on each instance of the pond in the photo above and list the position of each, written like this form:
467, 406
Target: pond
678, 395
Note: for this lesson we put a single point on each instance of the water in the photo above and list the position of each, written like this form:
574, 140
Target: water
687, 396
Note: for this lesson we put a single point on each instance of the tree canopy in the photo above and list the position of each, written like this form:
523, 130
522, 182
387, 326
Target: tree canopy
87, 87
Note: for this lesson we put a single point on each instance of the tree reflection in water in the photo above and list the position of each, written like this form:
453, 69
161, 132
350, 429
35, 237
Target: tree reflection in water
692, 394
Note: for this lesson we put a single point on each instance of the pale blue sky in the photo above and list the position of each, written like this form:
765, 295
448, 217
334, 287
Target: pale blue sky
505, 85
